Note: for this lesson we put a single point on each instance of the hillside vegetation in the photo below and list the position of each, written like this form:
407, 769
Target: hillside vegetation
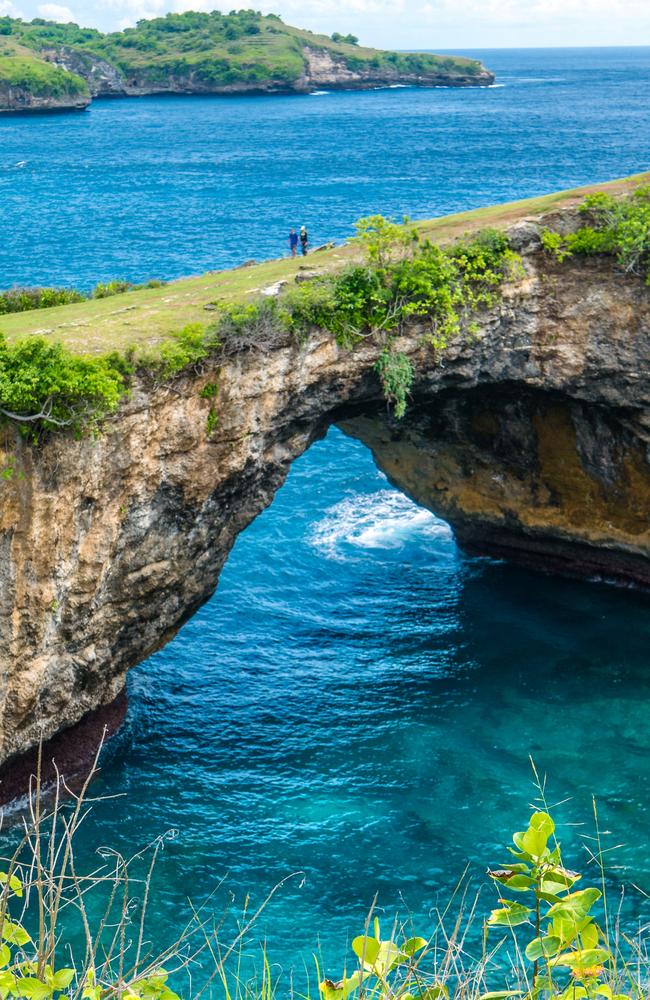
204, 53
387, 277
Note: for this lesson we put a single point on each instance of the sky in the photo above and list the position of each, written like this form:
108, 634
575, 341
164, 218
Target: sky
397, 24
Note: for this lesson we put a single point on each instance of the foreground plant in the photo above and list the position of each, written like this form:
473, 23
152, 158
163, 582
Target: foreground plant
86, 935
557, 946
568, 949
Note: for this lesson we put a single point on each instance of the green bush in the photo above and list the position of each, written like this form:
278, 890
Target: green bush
44, 387
618, 226
24, 299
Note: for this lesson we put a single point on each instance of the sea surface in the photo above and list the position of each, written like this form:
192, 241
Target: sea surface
359, 701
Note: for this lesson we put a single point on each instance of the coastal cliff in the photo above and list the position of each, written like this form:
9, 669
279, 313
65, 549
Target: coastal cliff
529, 433
198, 53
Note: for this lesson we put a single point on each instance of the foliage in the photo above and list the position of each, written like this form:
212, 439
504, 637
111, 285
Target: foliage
568, 949
43, 386
561, 949
382, 239
25, 299
618, 226
187, 347
402, 280
386, 969
560, 945
405, 278
396, 376
350, 39
40, 78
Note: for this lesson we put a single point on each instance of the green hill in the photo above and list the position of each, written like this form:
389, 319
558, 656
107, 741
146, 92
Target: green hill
240, 52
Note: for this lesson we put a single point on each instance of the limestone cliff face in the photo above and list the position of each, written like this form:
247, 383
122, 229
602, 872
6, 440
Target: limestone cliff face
531, 437
321, 69
18, 100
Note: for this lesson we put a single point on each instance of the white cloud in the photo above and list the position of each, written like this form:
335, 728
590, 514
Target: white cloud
8, 9
406, 24
55, 12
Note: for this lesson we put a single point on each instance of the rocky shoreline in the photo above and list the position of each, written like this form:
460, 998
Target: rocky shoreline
322, 71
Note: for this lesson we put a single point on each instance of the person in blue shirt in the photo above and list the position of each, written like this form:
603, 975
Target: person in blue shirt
293, 242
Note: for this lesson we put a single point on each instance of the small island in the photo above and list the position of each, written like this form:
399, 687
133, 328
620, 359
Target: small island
48, 66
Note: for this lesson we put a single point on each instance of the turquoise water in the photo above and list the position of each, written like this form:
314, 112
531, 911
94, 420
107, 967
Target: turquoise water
359, 700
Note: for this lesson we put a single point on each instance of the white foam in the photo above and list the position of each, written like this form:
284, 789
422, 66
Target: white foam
318, 93
383, 520
495, 86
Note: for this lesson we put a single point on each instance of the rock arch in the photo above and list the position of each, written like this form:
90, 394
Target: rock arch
531, 438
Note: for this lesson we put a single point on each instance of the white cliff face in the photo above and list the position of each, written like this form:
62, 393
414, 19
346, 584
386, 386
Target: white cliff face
531, 437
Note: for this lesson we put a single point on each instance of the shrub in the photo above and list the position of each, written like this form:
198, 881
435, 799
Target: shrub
24, 299
619, 226
396, 376
43, 386
104, 290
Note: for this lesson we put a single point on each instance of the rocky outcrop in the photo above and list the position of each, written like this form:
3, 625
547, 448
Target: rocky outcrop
322, 69
18, 100
102, 78
531, 436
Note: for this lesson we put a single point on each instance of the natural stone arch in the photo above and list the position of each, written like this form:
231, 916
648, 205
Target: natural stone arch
530, 437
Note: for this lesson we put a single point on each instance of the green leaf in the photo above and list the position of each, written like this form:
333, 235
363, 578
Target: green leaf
589, 936
341, 989
562, 876
390, 956
7, 982
567, 930
543, 947
62, 979
535, 838
5, 956
31, 988
583, 959
513, 915
501, 995
14, 933
414, 945
542, 822
15, 885
549, 897
576, 904
516, 880
366, 949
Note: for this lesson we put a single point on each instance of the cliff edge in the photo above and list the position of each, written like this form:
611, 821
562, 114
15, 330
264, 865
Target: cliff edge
530, 434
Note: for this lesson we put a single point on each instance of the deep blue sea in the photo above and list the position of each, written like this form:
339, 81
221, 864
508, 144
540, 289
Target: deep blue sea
359, 700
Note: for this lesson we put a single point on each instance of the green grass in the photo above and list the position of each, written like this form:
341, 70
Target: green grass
39, 78
148, 317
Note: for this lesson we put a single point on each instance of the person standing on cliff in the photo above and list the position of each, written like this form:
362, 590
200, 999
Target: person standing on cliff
304, 240
293, 242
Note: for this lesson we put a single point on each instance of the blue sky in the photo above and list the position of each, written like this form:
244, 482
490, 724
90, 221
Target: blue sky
426, 24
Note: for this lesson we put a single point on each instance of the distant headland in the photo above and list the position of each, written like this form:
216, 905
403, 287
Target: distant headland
48, 66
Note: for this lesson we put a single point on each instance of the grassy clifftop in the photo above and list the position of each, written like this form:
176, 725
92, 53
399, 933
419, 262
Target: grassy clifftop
148, 317
212, 53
